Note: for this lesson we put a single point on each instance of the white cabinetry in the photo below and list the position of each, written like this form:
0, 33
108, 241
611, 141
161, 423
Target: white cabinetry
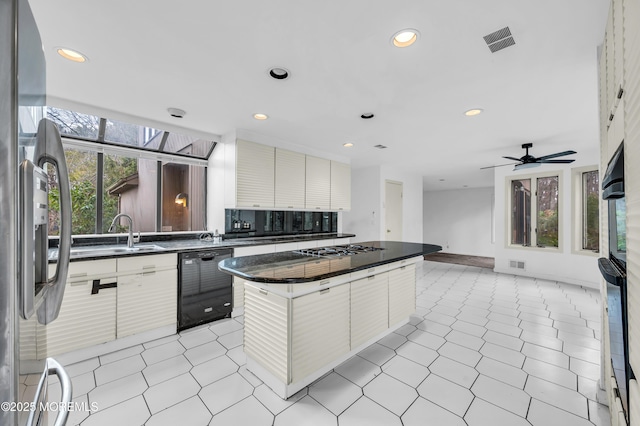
369, 308
238, 283
255, 174
88, 312
340, 186
147, 294
402, 293
318, 183
319, 330
289, 179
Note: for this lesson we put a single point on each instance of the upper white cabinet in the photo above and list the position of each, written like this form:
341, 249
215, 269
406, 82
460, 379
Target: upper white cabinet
290, 180
255, 174
249, 175
340, 186
318, 183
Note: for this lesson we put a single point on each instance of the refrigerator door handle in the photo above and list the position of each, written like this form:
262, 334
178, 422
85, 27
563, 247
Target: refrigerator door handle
52, 367
49, 149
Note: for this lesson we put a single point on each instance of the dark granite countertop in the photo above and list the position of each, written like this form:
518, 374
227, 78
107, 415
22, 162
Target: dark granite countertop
106, 251
291, 267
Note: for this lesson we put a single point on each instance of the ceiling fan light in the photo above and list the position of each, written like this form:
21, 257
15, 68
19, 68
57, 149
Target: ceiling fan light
524, 166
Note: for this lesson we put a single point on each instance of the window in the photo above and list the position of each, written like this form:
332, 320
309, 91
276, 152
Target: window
534, 211
586, 210
158, 178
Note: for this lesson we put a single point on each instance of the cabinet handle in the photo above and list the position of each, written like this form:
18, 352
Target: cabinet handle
318, 208
149, 267
256, 205
371, 270
326, 290
325, 282
402, 268
289, 207
82, 274
148, 273
96, 287
263, 291
371, 277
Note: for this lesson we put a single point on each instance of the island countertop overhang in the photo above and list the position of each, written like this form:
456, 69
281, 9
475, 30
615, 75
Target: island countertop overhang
292, 268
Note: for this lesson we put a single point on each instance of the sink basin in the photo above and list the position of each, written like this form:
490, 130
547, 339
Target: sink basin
113, 250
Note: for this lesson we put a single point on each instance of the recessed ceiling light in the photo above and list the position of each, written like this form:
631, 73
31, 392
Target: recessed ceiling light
260, 116
441, 180
472, 112
347, 144
72, 55
279, 73
176, 112
405, 38
367, 115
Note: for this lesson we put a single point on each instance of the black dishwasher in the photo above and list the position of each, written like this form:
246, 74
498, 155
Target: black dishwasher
204, 293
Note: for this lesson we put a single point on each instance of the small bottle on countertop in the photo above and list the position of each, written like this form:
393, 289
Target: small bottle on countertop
216, 237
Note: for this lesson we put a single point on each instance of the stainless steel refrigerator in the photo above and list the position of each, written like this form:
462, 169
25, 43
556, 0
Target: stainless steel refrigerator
29, 145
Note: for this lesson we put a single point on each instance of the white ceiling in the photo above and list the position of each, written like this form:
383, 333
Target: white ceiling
211, 58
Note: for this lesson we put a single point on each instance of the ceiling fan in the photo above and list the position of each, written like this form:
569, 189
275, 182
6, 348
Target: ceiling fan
527, 161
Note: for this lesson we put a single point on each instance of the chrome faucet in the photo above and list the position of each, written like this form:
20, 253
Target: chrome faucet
112, 228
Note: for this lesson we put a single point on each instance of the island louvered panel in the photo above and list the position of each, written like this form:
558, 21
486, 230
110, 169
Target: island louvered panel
266, 330
402, 293
369, 308
320, 330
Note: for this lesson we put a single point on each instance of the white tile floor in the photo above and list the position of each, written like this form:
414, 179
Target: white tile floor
482, 349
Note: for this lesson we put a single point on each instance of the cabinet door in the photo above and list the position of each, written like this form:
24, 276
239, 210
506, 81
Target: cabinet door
340, 186
255, 165
320, 330
318, 183
369, 308
290, 179
146, 301
266, 337
402, 293
85, 319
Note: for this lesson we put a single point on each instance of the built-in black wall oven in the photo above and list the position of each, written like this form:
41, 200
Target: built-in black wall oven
204, 292
614, 271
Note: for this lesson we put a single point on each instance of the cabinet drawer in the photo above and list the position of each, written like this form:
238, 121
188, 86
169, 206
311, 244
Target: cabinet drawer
141, 263
369, 308
369, 272
81, 271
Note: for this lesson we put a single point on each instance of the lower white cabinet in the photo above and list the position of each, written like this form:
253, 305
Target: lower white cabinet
146, 301
319, 330
369, 308
88, 312
105, 300
402, 293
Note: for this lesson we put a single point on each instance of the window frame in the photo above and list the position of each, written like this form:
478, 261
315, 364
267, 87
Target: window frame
534, 208
577, 213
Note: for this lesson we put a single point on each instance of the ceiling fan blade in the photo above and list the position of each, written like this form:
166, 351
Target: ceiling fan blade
557, 154
512, 158
499, 165
555, 161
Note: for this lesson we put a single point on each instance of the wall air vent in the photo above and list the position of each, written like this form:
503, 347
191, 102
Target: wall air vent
499, 40
516, 264
379, 146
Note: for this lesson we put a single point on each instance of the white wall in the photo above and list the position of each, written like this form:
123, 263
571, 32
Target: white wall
461, 221
558, 265
367, 216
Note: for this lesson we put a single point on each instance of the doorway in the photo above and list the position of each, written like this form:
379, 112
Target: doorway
393, 210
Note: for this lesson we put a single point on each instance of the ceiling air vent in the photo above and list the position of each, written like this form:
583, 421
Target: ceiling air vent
500, 39
379, 146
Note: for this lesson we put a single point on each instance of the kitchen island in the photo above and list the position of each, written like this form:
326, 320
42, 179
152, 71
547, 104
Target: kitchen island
308, 311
